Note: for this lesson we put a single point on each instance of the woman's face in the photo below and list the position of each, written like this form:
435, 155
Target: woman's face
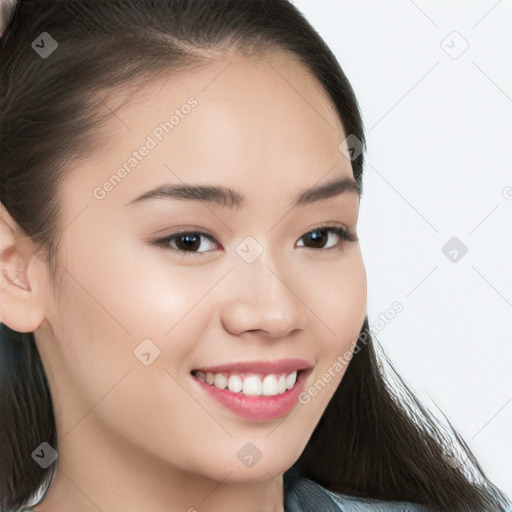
263, 285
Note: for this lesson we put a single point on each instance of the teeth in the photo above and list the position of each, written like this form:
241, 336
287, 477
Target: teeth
290, 380
235, 383
270, 385
220, 381
281, 384
251, 385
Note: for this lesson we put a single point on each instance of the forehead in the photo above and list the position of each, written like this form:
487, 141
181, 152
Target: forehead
259, 124
270, 88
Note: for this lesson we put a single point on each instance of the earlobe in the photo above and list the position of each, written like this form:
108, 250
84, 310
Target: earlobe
20, 307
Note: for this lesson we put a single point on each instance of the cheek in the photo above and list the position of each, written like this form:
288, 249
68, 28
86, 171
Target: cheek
337, 296
100, 377
350, 312
136, 289
340, 309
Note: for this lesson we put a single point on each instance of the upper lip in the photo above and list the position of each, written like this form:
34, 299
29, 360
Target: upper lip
275, 366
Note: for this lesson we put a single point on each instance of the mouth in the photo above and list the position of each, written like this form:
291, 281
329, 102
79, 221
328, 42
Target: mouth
258, 390
254, 378
250, 383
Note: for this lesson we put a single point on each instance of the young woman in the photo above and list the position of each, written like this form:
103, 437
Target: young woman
183, 293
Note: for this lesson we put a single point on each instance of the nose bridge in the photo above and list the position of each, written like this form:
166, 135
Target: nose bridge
260, 268
262, 292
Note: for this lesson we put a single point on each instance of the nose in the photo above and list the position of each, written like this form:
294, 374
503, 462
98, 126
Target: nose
263, 299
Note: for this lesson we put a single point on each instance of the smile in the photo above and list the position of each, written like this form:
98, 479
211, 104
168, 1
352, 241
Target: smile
258, 390
250, 385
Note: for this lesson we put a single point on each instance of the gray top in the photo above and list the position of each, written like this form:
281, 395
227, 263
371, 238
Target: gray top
304, 495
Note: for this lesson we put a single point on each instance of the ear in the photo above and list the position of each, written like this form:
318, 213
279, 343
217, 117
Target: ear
20, 302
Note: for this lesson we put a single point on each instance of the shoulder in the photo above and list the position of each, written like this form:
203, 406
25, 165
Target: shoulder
305, 495
356, 504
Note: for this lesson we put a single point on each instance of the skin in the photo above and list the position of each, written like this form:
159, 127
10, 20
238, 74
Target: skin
136, 437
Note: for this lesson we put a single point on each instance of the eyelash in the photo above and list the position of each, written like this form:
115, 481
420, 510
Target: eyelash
345, 236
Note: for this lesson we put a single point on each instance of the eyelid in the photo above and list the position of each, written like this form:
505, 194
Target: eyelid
163, 242
345, 235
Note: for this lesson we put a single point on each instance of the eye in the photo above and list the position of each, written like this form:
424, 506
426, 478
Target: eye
188, 242
319, 237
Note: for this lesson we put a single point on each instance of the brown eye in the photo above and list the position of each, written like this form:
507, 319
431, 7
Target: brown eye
318, 237
186, 242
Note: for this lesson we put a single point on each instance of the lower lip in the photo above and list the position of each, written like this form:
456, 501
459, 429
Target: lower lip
258, 408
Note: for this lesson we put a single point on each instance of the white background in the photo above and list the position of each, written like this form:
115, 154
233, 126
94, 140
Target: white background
438, 166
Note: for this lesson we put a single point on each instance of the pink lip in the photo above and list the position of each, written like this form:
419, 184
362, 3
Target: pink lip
276, 367
257, 408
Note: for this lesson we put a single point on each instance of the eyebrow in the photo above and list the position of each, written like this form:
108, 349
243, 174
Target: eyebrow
232, 199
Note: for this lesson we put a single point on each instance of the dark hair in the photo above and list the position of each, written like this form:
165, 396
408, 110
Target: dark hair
372, 440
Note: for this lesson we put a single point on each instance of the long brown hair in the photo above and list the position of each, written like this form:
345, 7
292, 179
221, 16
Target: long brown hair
372, 441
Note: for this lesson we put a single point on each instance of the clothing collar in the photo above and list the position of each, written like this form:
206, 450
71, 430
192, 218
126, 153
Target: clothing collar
303, 495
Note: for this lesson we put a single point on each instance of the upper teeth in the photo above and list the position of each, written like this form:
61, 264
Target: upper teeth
252, 385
